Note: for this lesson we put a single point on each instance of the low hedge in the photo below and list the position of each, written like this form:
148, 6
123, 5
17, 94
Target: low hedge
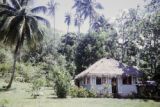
81, 92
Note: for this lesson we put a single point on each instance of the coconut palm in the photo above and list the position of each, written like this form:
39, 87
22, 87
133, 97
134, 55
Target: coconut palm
100, 23
52, 5
87, 9
68, 21
19, 24
78, 22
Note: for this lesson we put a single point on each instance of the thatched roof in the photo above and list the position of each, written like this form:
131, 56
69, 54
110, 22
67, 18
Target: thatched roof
109, 67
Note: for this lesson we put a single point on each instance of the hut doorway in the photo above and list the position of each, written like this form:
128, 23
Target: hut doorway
114, 86
77, 83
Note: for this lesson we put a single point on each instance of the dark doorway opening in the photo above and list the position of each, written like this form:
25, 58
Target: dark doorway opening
114, 87
77, 83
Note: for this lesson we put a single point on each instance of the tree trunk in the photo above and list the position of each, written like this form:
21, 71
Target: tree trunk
79, 32
68, 29
14, 66
90, 24
54, 30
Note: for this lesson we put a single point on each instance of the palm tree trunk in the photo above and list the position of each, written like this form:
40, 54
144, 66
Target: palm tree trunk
14, 66
54, 30
79, 32
90, 23
68, 29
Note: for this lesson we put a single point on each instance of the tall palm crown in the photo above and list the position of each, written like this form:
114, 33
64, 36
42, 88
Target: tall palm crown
87, 8
68, 20
52, 5
78, 20
100, 23
20, 23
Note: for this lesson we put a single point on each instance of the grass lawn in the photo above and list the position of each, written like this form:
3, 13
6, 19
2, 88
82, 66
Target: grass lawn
20, 97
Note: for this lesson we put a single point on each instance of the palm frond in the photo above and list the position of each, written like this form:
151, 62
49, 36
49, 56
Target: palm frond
78, 20
68, 18
21, 27
6, 12
22, 32
52, 5
29, 32
43, 20
3, 6
13, 34
17, 25
7, 23
39, 9
24, 2
98, 6
10, 35
77, 4
16, 4
31, 27
36, 32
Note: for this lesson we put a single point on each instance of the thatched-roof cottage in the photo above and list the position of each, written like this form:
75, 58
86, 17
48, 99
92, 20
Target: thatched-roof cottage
109, 76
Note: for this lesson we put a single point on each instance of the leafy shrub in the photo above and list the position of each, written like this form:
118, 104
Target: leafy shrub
4, 68
27, 72
73, 91
82, 92
109, 95
61, 87
92, 94
37, 84
62, 81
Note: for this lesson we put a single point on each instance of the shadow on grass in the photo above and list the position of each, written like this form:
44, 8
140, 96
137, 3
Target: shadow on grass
31, 98
54, 97
143, 99
2, 89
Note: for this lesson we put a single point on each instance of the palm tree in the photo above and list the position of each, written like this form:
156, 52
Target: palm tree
100, 24
52, 11
20, 24
68, 21
87, 9
78, 22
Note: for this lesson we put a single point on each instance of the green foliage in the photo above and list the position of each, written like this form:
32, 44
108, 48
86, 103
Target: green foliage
5, 61
67, 48
61, 81
26, 72
2, 56
92, 94
5, 68
90, 49
37, 84
79, 92
82, 92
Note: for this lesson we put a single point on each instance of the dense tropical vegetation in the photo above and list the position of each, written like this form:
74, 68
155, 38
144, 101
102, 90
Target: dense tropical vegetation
46, 60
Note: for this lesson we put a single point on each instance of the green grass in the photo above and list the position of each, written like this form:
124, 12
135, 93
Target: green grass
19, 96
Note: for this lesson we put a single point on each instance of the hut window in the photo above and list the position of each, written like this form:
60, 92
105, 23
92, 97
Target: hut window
84, 81
127, 80
134, 80
98, 81
88, 80
103, 80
